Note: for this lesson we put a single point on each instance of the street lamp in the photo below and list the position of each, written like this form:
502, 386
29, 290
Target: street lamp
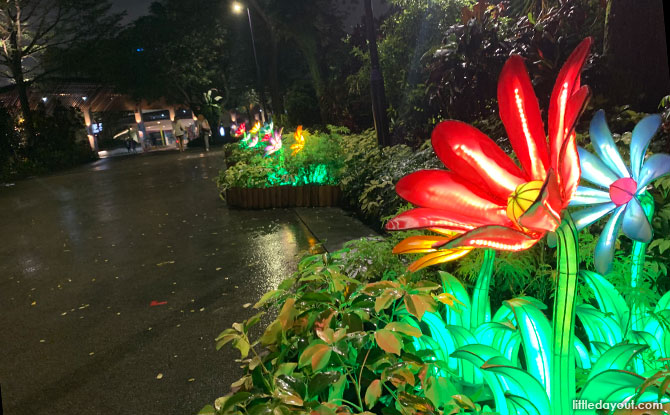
238, 8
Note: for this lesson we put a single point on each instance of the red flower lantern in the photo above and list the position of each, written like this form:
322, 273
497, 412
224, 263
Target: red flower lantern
485, 199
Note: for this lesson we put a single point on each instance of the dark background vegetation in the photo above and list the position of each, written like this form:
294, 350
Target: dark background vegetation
440, 58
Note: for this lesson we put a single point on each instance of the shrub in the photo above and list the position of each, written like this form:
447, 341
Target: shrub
370, 173
60, 142
340, 343
319, 162
10, 140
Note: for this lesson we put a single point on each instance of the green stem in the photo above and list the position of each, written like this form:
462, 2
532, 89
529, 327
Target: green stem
391, 392
348, 403
481, 307
638, 311
353, 380
562, 386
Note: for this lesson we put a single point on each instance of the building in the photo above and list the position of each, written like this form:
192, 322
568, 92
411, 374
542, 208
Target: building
95, 101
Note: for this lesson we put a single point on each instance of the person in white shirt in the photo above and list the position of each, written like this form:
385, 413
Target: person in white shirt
178, 131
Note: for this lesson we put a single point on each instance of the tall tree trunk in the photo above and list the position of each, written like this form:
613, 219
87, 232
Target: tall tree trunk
21, 88
273, 75
273, 78
307, 45
636, 52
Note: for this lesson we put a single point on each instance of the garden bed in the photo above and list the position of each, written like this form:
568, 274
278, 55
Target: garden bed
283, 196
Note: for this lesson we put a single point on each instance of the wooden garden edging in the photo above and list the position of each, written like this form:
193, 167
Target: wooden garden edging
283, 196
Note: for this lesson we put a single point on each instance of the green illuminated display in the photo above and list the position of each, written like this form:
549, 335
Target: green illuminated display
253, 166
411, 345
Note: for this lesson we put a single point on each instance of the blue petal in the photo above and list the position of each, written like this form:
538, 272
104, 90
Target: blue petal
587, 216
603, 144
607, 242
587, 196
635, 223
642, 134
594, 170
656, 166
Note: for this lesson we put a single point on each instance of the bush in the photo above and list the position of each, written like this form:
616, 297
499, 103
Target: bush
342, 339
461, 84
10, 140
60, 142
319, 162
370, 173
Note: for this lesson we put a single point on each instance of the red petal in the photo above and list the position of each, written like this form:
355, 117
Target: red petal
569, 169
453, 219
472, 155
567, 84
520, 112
544, 215
496, 237
441, 189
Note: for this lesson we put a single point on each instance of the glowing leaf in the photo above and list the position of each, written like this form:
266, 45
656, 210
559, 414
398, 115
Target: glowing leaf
373, 393
388, 341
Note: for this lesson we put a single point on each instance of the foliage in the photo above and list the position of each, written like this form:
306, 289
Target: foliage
410, 32
319, 162
147, 61
370, 173
9, 144
461, 85
40, 38
59, 142
340, 344
443, 347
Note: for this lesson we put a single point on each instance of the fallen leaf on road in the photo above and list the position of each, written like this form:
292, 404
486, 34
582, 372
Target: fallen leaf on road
159, 376
160, 264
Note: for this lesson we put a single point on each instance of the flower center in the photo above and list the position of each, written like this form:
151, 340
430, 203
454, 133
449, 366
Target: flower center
622, 191
522, 198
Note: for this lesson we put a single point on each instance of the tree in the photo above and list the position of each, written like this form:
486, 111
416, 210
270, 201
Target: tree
176, 53
31, 28
636, 52
312, 27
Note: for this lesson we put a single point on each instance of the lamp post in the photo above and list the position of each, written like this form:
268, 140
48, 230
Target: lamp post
238, 8
376, 81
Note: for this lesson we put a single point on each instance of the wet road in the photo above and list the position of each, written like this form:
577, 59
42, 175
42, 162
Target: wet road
84, 255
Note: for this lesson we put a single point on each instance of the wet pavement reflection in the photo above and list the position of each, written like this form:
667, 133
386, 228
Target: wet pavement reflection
115, 278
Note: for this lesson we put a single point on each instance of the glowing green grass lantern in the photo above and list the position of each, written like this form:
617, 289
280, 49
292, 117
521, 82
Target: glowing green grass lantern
485, 200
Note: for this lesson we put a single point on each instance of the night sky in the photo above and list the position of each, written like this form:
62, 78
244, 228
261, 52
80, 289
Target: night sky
133, 8
136, 8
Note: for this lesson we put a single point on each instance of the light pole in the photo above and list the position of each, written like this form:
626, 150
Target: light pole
238, 8
376, 81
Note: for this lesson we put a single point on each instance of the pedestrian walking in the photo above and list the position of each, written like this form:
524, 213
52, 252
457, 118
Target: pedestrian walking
132, 132
178, 131
205, 130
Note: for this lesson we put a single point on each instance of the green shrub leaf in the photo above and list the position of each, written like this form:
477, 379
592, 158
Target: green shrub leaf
388, 341
373, 393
